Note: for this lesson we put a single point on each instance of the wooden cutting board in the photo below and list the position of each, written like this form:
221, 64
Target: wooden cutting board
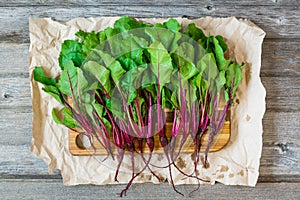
221, 139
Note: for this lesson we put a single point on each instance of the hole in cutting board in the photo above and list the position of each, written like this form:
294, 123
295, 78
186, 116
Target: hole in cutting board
83, 142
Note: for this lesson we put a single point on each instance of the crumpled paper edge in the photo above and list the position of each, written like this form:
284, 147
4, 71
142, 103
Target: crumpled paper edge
226, 167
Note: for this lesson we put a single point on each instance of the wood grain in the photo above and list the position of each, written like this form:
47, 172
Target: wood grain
53, 189
16, 125
17, 161
281, 58
7, 3
277, 21
14, 59
283, 93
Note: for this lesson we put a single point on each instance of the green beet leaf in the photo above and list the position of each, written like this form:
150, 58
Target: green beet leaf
90, 41
101, 74
194, 32
207, 64
39, 76
54, 92
65, 117
127, 47
166, 37
49, 84
71, 50
220, 81
115, 68
184, 57
72, 81
126, 23
173, 25
222, 42
161, 63
233, 77
219, 52
166, 98
130, 83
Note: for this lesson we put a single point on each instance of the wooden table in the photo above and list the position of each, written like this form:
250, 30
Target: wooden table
24, 176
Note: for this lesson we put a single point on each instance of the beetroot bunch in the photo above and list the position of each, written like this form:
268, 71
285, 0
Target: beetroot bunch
116, 84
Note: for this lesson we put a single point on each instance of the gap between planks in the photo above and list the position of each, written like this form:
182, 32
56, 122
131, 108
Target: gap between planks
21, 3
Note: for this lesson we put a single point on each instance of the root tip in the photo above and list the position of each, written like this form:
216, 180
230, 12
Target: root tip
123, 193
206, 164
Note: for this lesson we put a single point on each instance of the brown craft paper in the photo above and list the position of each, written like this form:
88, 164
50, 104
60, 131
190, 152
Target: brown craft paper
236, 164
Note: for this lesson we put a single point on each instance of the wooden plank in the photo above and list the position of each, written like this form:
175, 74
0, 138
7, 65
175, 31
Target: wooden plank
6, 3
282, 93
281, 159
281, 57
17, 161
15, 91
277, 21
15, 125
281, 128
53, 189
14, 59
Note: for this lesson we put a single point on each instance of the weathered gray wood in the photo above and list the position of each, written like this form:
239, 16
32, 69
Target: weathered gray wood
145, 2
18, 53
281, 128
53, 189
22, 176
280, 159
15, 91
17, 161
283, 93
277, 21
15, 125
281, 58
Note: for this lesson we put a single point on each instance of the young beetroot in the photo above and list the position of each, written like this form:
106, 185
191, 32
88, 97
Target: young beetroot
120, 81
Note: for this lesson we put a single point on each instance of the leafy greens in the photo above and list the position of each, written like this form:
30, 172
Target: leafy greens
115, 85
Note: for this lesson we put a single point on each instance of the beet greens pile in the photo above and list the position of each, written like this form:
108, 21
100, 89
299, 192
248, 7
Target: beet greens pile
120, 81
